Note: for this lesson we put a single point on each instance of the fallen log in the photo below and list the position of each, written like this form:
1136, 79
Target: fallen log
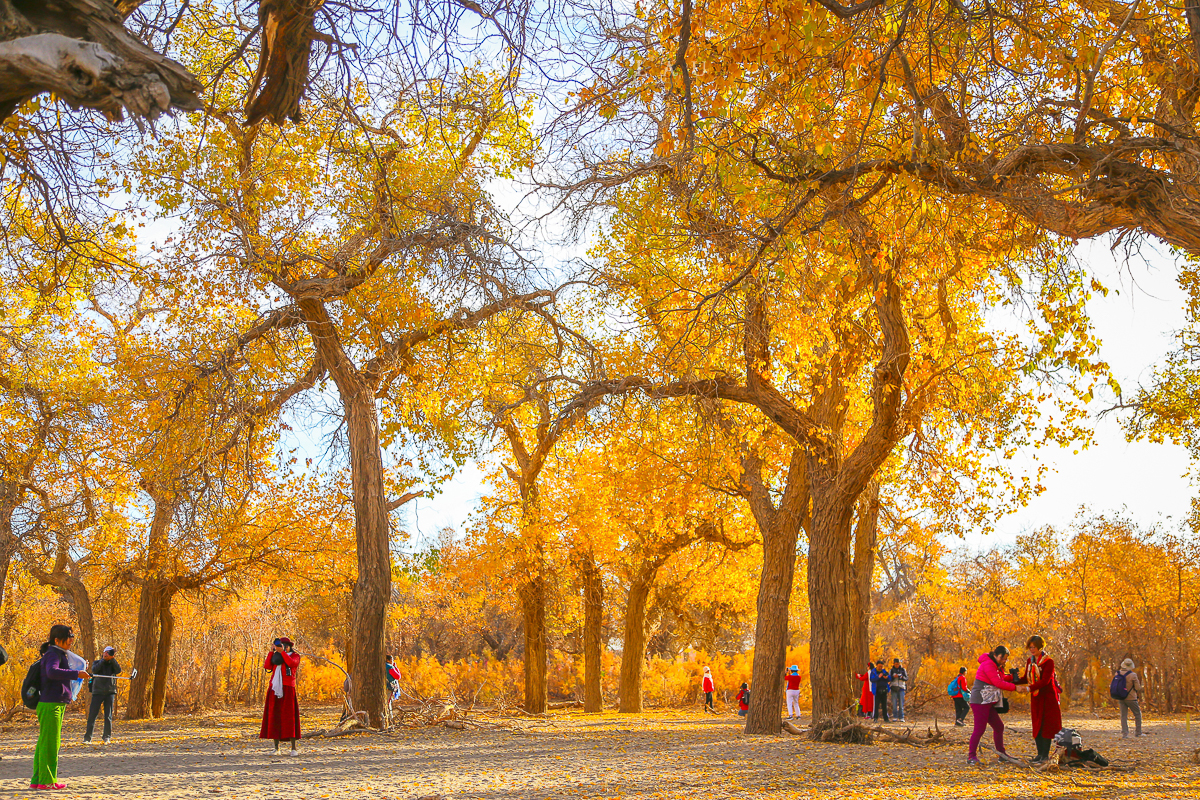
792, 729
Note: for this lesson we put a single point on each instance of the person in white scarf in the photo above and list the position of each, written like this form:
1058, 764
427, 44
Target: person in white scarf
281, 711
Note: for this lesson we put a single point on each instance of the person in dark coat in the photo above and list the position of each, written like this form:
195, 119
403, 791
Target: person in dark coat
1043, 697
104, 693
281, 711
899, 687
881, 681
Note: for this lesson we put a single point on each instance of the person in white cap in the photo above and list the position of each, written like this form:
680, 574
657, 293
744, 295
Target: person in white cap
792, 680
708, 688
1128, 680
104, 693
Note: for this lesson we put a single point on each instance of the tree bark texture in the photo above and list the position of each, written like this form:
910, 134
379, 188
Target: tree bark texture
593, 645
162, 661
866, 531
533, 610
633, 651
81, 51
145, 648
780, 530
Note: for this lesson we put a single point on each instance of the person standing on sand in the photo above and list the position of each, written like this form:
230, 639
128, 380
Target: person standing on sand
1042, 681
281, 711
866, 701
707, 685
880, 680
987, 701
791, 680
104, 693
899, 688
52, 705
1131, 701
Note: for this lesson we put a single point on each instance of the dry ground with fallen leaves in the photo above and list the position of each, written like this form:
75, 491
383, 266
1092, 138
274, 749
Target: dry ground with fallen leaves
668, 754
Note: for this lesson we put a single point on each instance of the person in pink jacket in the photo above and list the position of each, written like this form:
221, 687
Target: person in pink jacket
987, 695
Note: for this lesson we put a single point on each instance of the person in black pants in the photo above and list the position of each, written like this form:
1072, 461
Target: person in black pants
881, 681
104, 692
961, 707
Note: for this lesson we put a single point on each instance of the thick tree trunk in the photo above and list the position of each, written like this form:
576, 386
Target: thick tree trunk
829, 589
373, 589
633, 653
863, 568
771, 629
162, 662
533, 610
82, 600
145, 649
593, 622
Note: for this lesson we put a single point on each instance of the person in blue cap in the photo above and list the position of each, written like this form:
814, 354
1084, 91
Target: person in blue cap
792, 679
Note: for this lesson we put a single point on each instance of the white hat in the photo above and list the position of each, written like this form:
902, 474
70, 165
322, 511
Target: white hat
1127, 664
110, 649
706, 669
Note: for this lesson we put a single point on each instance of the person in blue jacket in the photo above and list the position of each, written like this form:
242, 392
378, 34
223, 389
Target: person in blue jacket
52, 705
881, 682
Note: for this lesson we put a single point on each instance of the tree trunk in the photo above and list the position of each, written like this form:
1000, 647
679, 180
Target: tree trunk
771, 629
829, 589
82, 601
866, 533
593, 621
633, 653
162, 665
373, 589
8, 542
533, 609
145, 649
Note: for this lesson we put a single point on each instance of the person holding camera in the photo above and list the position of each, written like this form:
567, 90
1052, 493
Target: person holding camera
281, 712
104, 693
1040, 677
54, 692
988, 701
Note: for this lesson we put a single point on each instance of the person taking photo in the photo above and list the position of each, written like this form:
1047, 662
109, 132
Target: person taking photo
104, 693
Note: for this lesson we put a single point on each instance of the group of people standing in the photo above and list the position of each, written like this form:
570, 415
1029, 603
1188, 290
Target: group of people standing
883, 687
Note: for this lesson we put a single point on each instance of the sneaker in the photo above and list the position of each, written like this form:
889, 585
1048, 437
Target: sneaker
293, 753
87, 741
959, 724
38, 787
107, 740
57, 786
972, 762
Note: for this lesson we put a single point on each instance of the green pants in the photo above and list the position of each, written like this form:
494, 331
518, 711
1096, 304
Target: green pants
45, 753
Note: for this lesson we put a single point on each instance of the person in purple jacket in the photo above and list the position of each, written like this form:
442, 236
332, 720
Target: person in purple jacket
52, 705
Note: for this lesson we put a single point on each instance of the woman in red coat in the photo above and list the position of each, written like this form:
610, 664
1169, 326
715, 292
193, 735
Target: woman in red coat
1043, 697
866, 700
281, 714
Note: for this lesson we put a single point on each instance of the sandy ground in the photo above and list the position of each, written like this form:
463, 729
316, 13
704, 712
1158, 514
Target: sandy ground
679, 754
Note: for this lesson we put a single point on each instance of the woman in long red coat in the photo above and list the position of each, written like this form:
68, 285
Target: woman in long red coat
866, 700
281, 712
1043, 697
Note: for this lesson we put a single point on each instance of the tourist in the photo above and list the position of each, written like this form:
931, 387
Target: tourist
281, 711
709, 688
743, 700
1126, 681
792, 681
988, 701
866, 700
55, 693
899, 677
880, 680
960, 692
392, 676
1043, 686
104, 692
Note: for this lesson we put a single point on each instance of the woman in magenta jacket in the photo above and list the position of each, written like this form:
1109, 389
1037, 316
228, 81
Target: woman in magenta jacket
986, 694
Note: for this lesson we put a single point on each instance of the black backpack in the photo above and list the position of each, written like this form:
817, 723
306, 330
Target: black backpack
1118, 690
31, 687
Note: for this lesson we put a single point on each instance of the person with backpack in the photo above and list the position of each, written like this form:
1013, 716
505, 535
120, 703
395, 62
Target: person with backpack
104, 693
791, 680
1044, 690
880, 683
392, 675
51, 693
899, 688
1126, 689
866, 700
743, 700
706, 684
958, 691
988, 702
